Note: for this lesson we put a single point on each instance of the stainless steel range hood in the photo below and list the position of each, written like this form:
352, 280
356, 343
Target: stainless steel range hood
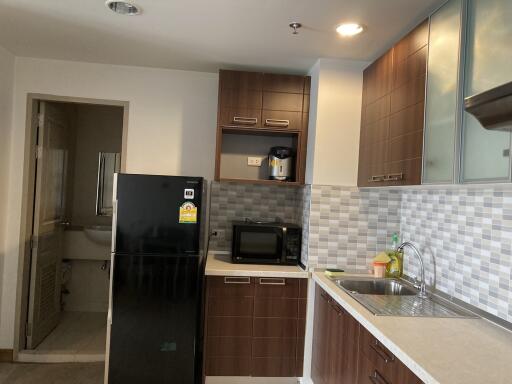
492, 108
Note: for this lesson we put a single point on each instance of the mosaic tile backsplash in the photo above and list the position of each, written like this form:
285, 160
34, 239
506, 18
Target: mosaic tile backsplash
232, 201
347, 226
466, 233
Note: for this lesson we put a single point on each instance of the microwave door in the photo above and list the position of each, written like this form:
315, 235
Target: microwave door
258, 245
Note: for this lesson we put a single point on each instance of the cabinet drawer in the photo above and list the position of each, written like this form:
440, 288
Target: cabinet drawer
276, 101
276, 307
276, 287
228, 346
274, 327
226, 286
370, 373
230, 306
240, 117
273, 367
228, 366
291, 121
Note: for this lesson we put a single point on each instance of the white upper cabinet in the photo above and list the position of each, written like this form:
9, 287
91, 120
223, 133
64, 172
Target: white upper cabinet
441, 112
486, 154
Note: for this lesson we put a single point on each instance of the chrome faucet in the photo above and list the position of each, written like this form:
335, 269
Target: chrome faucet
423, 286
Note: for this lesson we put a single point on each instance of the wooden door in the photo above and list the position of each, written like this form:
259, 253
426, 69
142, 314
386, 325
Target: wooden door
47, 234
320, 360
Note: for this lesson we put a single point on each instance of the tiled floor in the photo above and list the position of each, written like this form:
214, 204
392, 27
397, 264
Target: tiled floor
90, 373
79, 337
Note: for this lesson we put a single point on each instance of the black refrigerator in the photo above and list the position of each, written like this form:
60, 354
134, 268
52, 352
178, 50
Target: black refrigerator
157, 269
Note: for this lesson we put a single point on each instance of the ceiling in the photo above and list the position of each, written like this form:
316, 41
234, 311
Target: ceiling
205, 35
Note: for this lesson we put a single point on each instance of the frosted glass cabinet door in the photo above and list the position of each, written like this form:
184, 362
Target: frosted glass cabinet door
442, 90
486, 154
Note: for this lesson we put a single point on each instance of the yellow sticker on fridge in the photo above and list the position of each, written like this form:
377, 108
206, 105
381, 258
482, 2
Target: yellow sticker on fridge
188, 213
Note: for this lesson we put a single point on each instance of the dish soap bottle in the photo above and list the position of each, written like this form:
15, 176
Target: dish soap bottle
395, 267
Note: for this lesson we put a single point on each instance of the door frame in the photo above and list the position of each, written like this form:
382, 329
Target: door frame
27, 206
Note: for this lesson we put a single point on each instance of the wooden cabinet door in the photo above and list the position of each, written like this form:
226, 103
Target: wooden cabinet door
391, 140
320, 363
228, 326
240, 98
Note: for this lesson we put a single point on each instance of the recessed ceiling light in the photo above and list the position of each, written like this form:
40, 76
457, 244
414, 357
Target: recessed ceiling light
122, 7
349, 29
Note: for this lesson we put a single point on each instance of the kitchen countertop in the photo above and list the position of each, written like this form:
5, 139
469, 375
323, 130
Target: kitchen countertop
219, 264
437, 350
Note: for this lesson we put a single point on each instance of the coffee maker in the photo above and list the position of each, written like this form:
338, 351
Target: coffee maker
280, 163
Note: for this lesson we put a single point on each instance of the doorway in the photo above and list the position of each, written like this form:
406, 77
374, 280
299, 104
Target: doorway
78, 146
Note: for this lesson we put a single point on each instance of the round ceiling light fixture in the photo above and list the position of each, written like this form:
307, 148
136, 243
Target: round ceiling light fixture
349, 29
122, 7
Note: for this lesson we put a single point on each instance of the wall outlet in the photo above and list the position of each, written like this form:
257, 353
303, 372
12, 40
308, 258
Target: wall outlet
254, 161
221, 234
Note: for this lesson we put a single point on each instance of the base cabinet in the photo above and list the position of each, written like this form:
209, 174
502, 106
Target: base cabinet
254, 326
344, 352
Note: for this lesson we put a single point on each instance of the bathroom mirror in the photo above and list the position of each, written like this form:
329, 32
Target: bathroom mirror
108, 164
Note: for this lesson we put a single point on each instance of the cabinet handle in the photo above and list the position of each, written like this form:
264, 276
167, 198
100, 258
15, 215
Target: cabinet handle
237, 280
336, 308
272, 281
325, 296
277, 123
376, 378
382, 353
245, 120
375, 179
395, 177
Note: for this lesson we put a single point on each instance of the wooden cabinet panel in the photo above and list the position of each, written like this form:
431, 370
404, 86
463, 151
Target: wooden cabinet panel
276, 287
412, 67
228, 346
320, 362
276, 307
254, 326
229, 326
241, 80
241, 98
271, 105
377, 110
229, 286
283, 83
228, 366
405, 147
413, 41
291, 121
277, 101
274, 327
230, 306
274, 347
408, 94
392, 114
406, 121
273, 367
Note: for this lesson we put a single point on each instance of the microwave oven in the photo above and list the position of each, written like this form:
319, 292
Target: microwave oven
266, 243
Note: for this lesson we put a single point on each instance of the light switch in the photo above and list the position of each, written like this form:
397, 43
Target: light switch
254, 161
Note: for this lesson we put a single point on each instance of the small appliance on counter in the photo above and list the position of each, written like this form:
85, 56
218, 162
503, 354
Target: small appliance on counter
266, 243
280, 163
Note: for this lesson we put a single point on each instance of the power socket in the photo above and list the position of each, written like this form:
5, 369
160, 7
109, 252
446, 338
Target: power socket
220, 234
254, 161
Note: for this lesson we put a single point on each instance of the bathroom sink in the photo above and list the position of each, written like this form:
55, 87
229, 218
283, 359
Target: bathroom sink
388, 287
100, 234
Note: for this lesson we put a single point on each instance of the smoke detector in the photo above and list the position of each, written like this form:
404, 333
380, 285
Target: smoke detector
122, 7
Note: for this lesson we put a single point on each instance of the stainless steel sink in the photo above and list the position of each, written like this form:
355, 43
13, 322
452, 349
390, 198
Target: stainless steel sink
391, 287
396, 297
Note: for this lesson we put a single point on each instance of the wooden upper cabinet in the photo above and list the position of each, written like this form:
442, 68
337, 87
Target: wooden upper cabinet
391, 140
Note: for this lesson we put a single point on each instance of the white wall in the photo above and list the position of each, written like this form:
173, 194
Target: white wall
171, 131
334, 124
6, 91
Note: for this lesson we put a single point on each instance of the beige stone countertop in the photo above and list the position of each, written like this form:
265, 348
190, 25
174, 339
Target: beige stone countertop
219, 264
437, 350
